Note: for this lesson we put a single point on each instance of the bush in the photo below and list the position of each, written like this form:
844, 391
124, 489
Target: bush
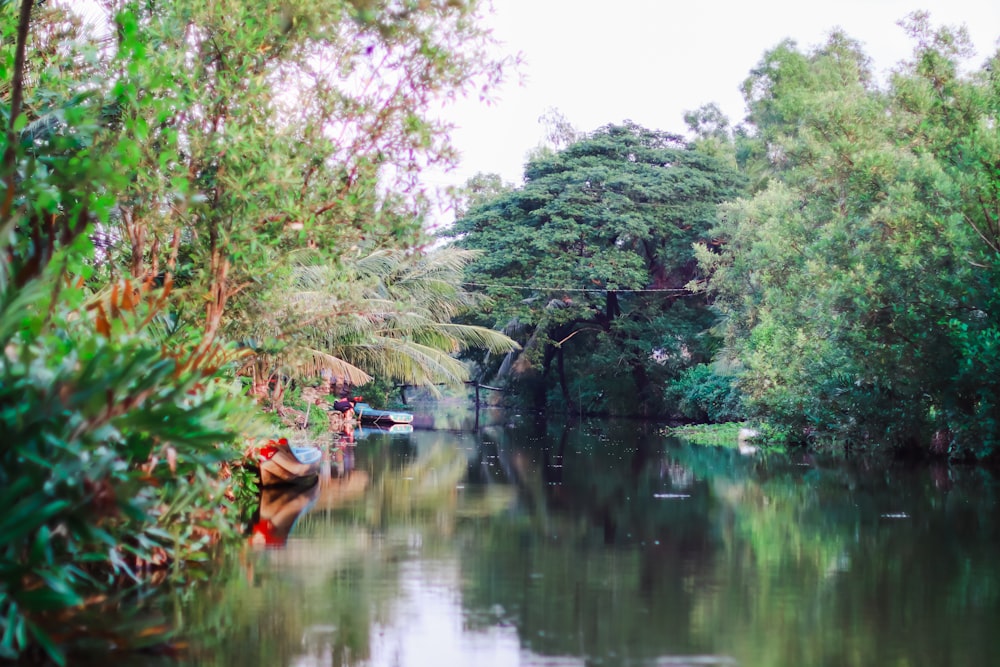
702, 395
114, 442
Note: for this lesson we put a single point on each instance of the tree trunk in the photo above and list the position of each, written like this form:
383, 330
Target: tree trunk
642, 388
562, 381
541, 387
218, 294
611, 307
16, 95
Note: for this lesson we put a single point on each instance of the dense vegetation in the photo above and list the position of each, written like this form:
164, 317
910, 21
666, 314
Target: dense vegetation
587, 264
853, 284
201, 200
197, 194
858, 283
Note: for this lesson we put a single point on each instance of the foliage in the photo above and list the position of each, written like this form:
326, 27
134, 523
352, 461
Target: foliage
587, 265
703, 395
112, 458
377, 393
304, 125
857, 281
710, 435
241, 133
386, 314
713, 136
479, 189
202, 141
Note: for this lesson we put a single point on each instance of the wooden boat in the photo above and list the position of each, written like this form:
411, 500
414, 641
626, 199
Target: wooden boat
366, 414
281, 463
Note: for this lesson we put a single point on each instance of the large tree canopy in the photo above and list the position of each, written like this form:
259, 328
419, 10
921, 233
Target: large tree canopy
588, 263
858, 282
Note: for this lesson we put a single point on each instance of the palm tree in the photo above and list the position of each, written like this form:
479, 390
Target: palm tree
386, 314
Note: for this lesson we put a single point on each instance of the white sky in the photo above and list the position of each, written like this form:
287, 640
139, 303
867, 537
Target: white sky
651, 60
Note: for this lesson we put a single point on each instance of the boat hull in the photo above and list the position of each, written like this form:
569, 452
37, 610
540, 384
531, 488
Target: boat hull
284, 468
369, 415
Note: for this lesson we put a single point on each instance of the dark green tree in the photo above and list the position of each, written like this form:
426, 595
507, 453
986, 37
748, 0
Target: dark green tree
588, 265
858, 281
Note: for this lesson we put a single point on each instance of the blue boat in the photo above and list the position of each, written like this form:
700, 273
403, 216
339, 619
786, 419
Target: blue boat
366, 414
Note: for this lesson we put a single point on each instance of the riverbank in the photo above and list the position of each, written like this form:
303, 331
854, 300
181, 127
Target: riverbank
711, 435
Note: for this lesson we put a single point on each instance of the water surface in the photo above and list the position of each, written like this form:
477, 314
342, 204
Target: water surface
609, 544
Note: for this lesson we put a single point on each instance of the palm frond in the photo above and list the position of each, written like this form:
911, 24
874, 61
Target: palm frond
448, 336
310, 362
378, 264
470, 336
386, 314
407, 361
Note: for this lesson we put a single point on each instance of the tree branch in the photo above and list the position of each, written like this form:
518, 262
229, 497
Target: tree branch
17, 93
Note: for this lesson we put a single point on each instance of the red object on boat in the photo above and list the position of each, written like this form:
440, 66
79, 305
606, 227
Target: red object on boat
271, 448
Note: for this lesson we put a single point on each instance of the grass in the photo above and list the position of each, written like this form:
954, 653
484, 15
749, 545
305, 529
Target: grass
712, 435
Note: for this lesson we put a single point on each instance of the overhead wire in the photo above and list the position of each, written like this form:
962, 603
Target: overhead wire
531, 288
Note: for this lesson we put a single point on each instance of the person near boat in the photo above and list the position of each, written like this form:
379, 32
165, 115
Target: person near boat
345, 406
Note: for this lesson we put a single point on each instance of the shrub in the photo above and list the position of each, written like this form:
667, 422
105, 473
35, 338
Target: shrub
702, 395
111, 462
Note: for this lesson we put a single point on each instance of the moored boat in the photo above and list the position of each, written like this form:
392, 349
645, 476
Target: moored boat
366, 414
281, 463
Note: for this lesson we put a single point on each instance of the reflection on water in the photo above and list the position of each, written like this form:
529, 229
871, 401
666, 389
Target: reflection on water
280, 507
606, 544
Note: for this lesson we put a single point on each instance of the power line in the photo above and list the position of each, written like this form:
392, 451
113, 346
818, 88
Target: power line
582, 289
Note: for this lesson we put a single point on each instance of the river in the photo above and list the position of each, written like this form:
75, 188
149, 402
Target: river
607, 543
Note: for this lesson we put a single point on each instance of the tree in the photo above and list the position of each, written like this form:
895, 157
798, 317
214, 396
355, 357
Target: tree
386, 314
114, 423
713, 135
479, 189
260, 130
559, 133
851, 279
589, 260
197, 141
